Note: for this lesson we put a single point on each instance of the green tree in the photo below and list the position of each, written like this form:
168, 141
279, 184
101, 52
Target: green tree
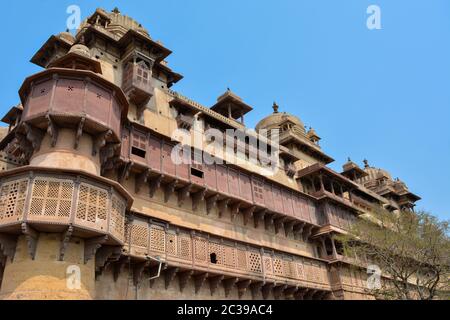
411, 249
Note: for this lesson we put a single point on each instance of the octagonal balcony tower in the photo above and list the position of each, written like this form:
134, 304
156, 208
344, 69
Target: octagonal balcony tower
60, 212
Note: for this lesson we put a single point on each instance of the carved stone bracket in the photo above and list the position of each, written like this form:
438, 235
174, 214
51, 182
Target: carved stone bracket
118, 267
183, 278
140, 180
289, 293
154, 184
91, 246
258, 217
279, 223
107, 153
169, 189
298, 229
222, 205
242, 287
32, 237
307, 231
106, 255
169, 275
64, 242
183, 194
34, 136
138, 270
79, 133
278, 291
8, 245
214, 283
310, 294
255, 289
228, 285
100, 141
248, 213
289, 227
197, 198
234, 210
52, 131
211, 202
268, 220
125, 173
300, 293
199, 280
266, 289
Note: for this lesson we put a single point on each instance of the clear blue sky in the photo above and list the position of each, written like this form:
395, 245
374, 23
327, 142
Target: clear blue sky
383, 95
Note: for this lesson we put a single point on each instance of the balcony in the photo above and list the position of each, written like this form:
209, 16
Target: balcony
51, 200
73, 98
185, 252
137, 84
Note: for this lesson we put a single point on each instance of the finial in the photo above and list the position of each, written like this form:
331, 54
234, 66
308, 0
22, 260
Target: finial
67, 30
275, 107
349, 160
228, 89
116, 10
366, 163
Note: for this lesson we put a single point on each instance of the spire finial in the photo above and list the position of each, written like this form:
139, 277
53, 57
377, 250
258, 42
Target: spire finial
366, 163
275, 107
116, 10
349, 159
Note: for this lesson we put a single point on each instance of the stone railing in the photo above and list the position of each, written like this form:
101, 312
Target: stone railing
200, 252
58, 202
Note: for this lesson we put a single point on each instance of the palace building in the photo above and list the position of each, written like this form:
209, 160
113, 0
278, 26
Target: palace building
92, 205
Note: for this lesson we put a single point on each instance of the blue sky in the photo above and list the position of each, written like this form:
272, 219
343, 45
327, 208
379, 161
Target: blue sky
383, 94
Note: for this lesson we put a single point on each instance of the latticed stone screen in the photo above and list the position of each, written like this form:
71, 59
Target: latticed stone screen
157, 239
117, 217
51, 199
222, 255
12, 200
92, 206
48, 199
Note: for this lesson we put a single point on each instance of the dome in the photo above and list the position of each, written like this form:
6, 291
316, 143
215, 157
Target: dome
376, 173
81, 50
277, 118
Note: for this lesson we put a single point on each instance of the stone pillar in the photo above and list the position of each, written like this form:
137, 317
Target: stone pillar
45, 277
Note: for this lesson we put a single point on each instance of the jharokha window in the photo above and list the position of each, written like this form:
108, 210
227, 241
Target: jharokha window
139, 144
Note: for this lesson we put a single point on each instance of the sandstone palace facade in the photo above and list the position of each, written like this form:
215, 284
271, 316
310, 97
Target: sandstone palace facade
93, 207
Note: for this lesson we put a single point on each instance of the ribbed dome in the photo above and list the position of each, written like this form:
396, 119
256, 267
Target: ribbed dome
375, 173
81, 50
277, 118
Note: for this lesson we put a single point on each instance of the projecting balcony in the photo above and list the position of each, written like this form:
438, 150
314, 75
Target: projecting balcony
137, 84
182, 252
51, 200
73, 98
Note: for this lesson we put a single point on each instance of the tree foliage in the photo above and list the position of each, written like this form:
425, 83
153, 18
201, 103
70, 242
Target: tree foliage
411, 249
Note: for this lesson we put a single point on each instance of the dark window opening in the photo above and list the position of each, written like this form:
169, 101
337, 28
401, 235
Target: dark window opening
319, 251
213, 258
197, 173
138, 152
